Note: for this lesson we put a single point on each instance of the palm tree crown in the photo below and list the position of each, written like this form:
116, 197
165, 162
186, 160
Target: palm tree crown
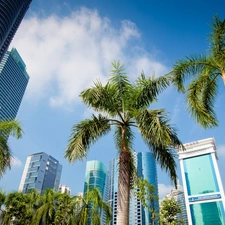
124, 106
7, 128
206, 70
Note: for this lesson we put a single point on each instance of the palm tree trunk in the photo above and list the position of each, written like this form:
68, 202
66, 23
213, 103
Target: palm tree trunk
123, 188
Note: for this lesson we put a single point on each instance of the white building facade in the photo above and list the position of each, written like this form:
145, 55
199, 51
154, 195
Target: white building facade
203, 189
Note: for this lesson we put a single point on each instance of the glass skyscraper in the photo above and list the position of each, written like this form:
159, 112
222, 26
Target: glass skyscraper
95, 177
11, 15
41, 172
205, 201
146, 168
13, 82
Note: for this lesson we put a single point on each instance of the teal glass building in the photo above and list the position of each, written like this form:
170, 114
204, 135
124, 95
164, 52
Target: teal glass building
11, 15
95, 176
13, 83
205, 201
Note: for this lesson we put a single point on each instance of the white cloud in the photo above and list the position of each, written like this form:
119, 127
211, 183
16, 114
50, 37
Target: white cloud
15, 162
164, 190
65, 55
221, 151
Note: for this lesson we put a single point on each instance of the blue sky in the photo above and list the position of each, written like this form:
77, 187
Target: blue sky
67, 45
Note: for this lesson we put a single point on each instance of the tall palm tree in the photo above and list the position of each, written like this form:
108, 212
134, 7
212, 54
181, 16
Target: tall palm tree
7, 128
90, 207
205, 71
124, 106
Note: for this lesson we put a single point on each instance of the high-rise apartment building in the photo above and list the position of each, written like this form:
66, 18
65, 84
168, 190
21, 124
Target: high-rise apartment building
11, 15
13, 83
178, 195
41, 172
205, 201
146, 168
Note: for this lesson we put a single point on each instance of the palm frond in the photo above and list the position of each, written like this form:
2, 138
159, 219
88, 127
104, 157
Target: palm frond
217, 40
160, 136
84, 134
5, 156
102, 98
147, 89
201, 95
11, 128
121, 84
190, 67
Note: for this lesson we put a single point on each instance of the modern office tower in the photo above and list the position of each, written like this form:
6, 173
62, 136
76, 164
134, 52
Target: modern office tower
41, 172
11, 15
13, 82
203, 189
64, 189
146, 168
95, 177
178, 195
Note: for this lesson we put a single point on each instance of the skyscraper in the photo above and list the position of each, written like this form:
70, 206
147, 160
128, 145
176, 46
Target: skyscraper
11, 15
41, 172
95, 177
146, 168
13, 82
205, 201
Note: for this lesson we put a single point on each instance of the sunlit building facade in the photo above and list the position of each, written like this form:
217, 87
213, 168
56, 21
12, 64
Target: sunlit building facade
205, 201
11, 15
13, 83
41, 172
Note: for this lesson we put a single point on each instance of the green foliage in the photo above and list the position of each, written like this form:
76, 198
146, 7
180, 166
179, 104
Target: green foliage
52, 208
125, 106
205, 72
7, 128
168, 212
145, 192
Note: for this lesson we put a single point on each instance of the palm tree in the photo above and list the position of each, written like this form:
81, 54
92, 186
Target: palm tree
45, 214
17, 209
125, 106
7, 128
90, 207
65, 210
206, 71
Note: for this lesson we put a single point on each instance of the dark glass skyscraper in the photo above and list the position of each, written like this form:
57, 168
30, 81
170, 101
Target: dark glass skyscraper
13, 82
11, 15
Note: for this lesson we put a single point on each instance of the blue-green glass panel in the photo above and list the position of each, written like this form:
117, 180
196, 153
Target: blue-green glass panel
200, 175
211, 213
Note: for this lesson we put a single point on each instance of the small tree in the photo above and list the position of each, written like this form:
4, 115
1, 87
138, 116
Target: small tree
146, 194
168, 212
